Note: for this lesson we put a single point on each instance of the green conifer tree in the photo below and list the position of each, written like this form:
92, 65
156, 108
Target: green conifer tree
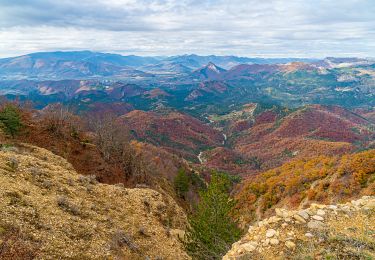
10, 120
181, 183
212, 230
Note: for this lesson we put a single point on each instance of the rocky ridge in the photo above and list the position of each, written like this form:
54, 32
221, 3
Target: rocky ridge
342, 231
48, 211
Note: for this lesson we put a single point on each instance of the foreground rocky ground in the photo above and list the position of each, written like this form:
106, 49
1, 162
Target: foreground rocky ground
48, 211
343, 231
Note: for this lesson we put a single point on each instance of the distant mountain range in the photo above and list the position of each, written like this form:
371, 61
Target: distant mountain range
198, 85
86, 64
72, 65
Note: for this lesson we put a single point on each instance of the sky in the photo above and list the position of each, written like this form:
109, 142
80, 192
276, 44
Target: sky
252, 28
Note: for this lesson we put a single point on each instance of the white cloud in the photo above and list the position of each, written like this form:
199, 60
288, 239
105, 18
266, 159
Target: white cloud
167, 27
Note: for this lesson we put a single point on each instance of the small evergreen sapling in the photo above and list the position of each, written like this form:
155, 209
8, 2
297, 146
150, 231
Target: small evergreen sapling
212, 230
181, 183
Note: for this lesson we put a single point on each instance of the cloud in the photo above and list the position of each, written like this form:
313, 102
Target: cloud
168, 27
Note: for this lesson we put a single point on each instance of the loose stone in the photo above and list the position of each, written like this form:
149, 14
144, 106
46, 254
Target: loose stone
313, 224
249, 246
290, 244
270, 233
303, 214
279, 212
274, 241
299, 218
316, 217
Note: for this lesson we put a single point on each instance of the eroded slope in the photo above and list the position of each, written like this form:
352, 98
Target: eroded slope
48, 211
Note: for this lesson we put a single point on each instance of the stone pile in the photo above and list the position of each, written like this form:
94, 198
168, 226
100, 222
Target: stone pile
283, 232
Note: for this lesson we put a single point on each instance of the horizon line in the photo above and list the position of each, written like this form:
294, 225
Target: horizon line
185, 54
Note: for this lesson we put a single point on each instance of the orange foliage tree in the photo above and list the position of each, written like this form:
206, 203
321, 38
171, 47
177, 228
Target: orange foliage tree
325, 179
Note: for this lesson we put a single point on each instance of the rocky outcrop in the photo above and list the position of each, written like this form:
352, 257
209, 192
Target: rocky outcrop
48, 211
343, 231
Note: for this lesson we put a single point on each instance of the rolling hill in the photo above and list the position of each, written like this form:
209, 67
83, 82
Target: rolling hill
266, 138
175, 132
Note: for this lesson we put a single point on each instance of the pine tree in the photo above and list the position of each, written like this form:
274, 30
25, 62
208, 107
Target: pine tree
212, 230
181, 183
10, 120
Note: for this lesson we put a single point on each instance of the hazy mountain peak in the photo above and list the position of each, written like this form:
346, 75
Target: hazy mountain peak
211, 66
209, 71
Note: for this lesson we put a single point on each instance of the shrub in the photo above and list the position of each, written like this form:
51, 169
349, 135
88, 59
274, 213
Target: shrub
68, 206
197, 180
10, 120
256, 162
120, 239
9, 148
16, 199
59, 120
13, 164
87, 179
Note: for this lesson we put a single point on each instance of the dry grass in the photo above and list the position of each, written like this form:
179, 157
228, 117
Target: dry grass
15, 245
64, 215
344, 238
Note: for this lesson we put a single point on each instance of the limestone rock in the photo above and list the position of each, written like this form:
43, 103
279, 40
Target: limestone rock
304, 214
250, 246
299, 218
273, 219
333, 207
314, 224
270, 233
274, 241
279, 212
319, 218
282, 213
290, 244
300, 226
370, 204
251, 228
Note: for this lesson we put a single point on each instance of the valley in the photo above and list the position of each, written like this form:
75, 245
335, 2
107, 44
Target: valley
177, 131
294, 106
